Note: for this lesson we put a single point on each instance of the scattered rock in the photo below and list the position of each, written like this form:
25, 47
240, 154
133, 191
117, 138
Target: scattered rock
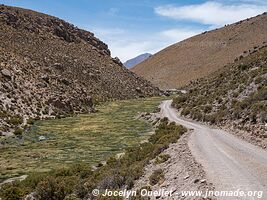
138, 89
42, 138
58, 66
6, 73
196, 180
117, 61
186, 177
203, 181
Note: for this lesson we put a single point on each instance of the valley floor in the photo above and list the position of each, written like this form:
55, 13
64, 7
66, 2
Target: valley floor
203, 159
88, 138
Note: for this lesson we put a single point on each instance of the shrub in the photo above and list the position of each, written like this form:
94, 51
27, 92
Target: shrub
185, 112
30, 121
260, 95
207, 108
3, 114
162, 158
15, 120
12, 191
259, 80
156, 176
243, 67
210, 118
177, 101
18, 132
72, 197
197, 115
55, 188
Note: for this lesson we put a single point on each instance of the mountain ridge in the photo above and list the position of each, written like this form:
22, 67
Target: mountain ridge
201, 55
137, 60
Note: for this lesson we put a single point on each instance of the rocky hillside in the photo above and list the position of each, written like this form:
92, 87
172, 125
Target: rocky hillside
49, 68
235, 98
138, 59
203, 54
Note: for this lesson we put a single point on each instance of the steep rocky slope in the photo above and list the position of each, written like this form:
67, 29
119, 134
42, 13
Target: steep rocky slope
234, 98
49, 67
138, 59
203, 54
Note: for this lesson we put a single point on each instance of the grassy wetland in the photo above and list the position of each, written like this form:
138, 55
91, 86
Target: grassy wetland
88, 138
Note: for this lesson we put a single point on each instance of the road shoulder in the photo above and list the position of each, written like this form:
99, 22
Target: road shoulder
181, 172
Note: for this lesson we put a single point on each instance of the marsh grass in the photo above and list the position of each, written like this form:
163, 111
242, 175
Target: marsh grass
88, 138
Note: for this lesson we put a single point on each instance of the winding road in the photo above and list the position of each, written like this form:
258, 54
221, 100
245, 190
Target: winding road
230, 163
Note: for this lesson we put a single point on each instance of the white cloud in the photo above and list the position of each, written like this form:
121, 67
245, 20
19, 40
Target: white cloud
211, 12
180, 34
126, 44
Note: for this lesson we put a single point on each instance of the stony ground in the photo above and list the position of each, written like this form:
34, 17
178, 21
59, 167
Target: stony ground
234, 98
181, 172
50, 68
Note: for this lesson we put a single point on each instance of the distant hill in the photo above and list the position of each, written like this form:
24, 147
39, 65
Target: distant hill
138, 59
203, 54
50, 68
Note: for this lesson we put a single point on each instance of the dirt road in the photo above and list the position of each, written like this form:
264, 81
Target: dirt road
231, 164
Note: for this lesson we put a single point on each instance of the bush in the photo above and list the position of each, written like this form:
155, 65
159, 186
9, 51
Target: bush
30, 121
18, 132
55, 188
72, 197
179, 100
260, 95
207, 108
15, 120
197, 115
162, 158
210, 118
3, 114
243, 67
259, 80
185, 112
156, 176
12, 191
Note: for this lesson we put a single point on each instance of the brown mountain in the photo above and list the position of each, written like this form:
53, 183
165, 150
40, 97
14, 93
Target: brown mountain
203, 54
49, 68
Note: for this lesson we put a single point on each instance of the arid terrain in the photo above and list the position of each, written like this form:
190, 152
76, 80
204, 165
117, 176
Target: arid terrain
50, 68
76, 123
234, 98
201, 55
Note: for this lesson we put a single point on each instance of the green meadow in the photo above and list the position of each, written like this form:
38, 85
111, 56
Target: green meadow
90, 138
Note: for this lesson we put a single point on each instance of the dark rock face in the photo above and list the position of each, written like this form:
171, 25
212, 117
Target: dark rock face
48, 68
30, 21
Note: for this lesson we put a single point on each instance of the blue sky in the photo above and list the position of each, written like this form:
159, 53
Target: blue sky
132, 27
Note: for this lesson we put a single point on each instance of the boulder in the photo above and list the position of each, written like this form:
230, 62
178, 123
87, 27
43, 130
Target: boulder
117, 61
42, 138
6, 73
138, 89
